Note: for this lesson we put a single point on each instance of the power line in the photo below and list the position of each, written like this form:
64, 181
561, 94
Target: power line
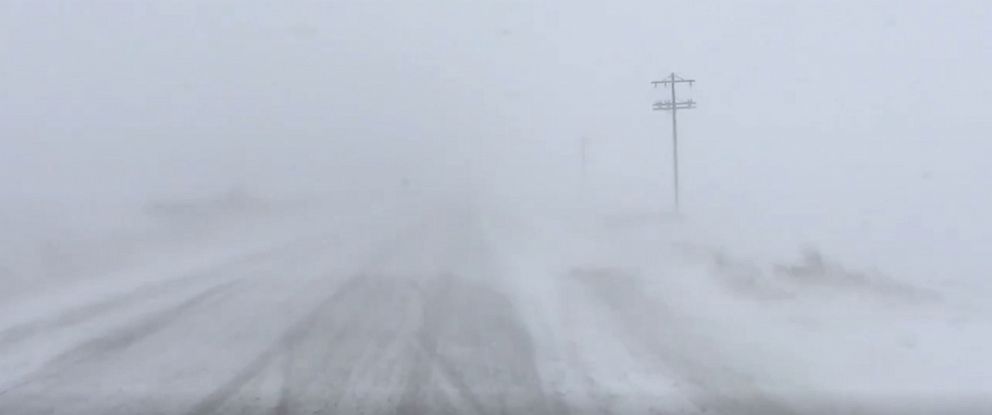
674, 106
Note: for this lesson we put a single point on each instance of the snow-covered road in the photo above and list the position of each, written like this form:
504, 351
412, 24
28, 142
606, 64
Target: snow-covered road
447, 311
412, 322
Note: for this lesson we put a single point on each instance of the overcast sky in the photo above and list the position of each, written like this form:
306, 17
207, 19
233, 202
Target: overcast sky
799, 102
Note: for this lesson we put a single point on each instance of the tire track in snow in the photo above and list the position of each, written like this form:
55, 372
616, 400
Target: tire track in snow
282, 346
108, 344
83, 313
287, 346
473, 338
397, 344
377, 342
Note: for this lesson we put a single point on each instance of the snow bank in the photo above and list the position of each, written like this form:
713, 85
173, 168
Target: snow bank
802, 327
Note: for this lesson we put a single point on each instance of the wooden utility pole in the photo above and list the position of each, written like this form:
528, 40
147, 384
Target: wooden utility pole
674, 105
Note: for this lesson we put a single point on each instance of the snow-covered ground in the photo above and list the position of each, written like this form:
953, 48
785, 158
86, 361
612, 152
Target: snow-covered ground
744, 328
458, 304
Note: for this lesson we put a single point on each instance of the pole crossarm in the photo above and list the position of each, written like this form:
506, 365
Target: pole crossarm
673, 80
668, 106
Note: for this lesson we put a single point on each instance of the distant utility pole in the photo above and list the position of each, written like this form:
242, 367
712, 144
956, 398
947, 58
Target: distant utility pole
583, 160
674, 105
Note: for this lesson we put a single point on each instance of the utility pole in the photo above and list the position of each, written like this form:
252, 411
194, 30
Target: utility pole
674, 105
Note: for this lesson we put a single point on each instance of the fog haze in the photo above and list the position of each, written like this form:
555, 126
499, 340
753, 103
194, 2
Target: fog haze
843, 139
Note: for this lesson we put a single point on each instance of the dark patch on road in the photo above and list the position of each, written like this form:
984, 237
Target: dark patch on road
381, 344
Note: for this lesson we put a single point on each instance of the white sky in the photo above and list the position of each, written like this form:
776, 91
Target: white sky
806, 108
